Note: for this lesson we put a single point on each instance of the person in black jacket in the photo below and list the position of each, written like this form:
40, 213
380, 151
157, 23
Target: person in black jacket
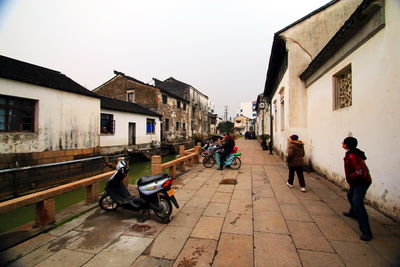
228, 146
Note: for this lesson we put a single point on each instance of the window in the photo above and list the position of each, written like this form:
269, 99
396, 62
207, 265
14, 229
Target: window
131, 96
184, 126
107, 124
178, 104
177, 125
164, 99
150, 126
17, 114
184, 106
166, 124
342, 88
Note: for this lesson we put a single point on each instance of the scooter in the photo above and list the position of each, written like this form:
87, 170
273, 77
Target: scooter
155, 194
232, 160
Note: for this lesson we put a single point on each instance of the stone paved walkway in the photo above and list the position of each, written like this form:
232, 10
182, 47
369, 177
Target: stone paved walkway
257, 222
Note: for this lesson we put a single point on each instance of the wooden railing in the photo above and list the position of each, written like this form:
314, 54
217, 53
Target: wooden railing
45, 200
186, 158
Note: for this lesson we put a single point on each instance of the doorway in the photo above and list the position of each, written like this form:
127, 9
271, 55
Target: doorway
132, 133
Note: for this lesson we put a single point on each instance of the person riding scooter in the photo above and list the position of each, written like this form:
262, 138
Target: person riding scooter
227, 147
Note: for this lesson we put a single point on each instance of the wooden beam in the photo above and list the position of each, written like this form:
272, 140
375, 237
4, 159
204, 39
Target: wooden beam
33, 198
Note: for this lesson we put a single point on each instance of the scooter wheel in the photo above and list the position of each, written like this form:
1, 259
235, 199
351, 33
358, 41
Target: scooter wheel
236, 163
106, 202
208, 162
166, 209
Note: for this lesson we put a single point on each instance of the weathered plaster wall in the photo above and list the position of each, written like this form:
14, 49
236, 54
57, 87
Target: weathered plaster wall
151, 97
122, 120
372, 118
171, 112
303, 42
198, 113
280, 136
64, 120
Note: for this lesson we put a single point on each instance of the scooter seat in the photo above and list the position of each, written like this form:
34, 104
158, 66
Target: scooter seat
148, 179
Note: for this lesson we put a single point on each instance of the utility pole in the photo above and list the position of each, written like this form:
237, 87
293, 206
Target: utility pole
225, 113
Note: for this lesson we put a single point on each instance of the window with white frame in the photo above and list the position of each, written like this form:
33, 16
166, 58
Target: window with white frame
131, 96
150, 126
342, 88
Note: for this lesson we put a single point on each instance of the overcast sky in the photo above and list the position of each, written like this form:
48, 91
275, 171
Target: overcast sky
220, 47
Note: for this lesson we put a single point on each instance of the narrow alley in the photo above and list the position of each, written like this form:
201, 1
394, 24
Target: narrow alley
257, 222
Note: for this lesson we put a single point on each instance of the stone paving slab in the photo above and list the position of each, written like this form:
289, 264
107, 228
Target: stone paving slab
274, 250
257, 222
197, 252
215, 209
234, 250
66, 257
306, 235
122, 252
318, 258
208, 228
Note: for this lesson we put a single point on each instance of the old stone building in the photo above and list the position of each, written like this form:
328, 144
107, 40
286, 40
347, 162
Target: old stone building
173, 107
199, 105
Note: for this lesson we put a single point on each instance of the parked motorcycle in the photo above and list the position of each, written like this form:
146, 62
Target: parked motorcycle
204, 149
213, 157
155, 194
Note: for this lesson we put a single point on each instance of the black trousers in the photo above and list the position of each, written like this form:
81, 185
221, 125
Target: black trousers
300, 176
356, 195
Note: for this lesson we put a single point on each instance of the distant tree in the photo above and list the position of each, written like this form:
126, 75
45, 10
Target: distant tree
225, 127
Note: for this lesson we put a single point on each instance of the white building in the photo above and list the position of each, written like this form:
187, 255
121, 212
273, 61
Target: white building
248, 109
359, 68
49, 110
127, 126
342, 82
262, 124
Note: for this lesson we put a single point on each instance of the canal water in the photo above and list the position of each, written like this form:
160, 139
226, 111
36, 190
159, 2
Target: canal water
26, 214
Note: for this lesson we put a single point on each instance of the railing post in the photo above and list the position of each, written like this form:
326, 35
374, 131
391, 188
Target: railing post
181, 150
197, 150
172, 171
92, 193
155, 165
45, 212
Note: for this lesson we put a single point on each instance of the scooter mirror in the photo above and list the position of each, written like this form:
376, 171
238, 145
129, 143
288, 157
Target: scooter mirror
121, 163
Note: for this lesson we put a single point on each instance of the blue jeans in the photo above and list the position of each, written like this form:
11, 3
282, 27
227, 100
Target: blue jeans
356, 195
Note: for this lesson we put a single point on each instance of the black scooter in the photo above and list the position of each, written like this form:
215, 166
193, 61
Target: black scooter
155, 194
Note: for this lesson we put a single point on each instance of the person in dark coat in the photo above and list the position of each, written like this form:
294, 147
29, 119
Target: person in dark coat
295, 161
227, 147
359, 180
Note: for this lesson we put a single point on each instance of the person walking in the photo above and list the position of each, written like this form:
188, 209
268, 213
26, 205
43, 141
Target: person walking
359, 180
294, 161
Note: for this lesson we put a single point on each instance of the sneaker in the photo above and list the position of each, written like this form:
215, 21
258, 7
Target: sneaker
290, 185
365, 237
302, 189
348, 214
220, 169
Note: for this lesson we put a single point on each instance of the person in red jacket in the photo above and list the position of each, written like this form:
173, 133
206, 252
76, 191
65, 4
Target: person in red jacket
359, 179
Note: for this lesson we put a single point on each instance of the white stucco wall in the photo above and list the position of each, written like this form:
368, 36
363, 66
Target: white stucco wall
65, 120
122, 120
303, 42
373, 117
